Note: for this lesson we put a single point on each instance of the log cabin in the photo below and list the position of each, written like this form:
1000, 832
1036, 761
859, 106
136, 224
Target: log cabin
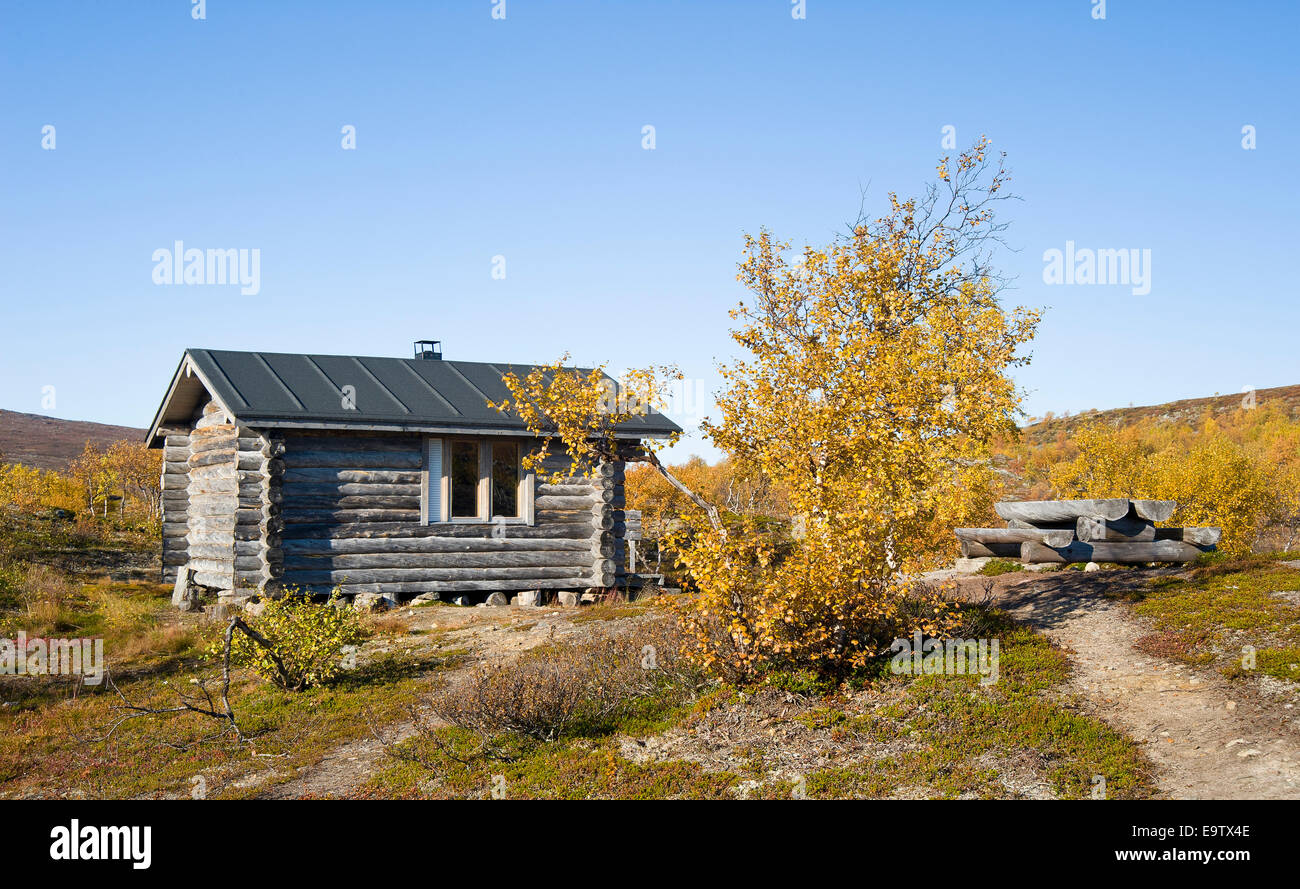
374, 475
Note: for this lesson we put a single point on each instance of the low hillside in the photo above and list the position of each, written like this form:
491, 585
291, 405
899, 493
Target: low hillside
51, 442
1190, 410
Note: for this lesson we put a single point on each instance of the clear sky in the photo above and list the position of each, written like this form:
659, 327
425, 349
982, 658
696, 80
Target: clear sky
522, 138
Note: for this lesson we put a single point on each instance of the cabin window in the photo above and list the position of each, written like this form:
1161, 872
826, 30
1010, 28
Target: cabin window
464, 480
505, 479
476, 480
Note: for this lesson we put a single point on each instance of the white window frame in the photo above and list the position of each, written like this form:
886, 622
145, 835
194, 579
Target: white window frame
441, 483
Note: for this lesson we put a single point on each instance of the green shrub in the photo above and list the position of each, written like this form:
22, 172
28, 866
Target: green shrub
994, 567
300, 642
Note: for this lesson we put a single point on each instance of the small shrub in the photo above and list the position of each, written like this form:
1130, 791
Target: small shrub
1175, 646
995, 567
556, 689
11, 587
303, 640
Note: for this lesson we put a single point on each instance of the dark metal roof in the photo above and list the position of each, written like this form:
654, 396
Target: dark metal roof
275, 389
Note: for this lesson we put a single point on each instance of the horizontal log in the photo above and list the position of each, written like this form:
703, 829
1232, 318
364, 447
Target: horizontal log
1123, 553
333, 441
381, 575
221, 551
1206, 537
355, 489
250, 516
556, 504
176, 441
213, 458
224, 484
331, 530
223, 538
224, 580
352, 476
971, 549
352, 459
1128, 528
1138, 530
305, 516
211, 507
477, 561
211, 423
205, 446
583, 489
581, 582
567, 480
1036, 511
1015, 535
1154, 510
352, 545
580, 514
204, 524
210, 548
1042, 526
297, 502
219, 566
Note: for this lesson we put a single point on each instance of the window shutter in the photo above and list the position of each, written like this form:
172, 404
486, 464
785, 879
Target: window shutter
433, 480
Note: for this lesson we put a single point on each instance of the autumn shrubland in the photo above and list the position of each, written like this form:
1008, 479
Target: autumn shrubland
79, 558
869, 411
66, 736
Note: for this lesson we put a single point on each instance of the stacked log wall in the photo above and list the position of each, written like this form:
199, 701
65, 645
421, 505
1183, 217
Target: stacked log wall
213, 491
175, 504
257, 532
350, 509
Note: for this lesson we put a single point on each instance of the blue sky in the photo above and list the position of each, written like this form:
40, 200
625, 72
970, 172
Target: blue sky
522, 138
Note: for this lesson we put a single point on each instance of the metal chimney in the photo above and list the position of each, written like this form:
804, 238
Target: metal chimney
429, 350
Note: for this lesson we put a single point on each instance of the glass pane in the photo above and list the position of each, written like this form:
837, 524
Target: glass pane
505, 479
464, 479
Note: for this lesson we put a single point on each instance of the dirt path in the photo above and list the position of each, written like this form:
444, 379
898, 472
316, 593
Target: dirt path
1208, 737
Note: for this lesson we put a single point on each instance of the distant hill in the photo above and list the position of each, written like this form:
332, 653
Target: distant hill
52, 443
1189, 410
